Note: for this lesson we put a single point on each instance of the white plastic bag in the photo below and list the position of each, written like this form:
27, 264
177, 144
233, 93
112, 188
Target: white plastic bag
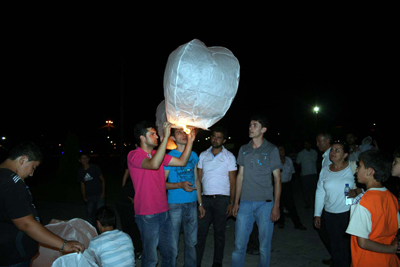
74, 259
75, 229
200, 84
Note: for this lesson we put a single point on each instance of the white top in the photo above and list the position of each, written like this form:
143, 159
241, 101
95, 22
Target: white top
287, 170
330, 190
113, 249
215, 180
326, 161
308, 161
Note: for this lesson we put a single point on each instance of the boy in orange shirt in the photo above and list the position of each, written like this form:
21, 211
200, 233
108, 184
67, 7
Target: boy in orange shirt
374, 217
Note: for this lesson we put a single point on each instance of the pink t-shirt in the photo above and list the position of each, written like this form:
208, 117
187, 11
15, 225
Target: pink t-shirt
150, 190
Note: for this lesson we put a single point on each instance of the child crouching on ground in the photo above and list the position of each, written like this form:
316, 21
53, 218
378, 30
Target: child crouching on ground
112, 247
374, 218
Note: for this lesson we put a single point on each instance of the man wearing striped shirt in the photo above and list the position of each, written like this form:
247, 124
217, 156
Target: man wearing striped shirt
112, 247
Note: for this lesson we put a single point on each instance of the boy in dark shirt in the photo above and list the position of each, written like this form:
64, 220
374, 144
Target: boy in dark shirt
92, 187
20, 228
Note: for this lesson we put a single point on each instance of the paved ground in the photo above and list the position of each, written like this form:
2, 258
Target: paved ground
291, 247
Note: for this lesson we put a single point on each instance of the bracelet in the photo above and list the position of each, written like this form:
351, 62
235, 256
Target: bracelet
62, 248
200, 204
231, 203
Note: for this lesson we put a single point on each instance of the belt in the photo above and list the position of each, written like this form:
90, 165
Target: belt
215, 196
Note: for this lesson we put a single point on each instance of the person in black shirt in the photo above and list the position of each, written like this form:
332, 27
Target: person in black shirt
92, 186
20, 228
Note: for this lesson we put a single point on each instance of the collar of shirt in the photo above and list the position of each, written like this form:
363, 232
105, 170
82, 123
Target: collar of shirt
212, 155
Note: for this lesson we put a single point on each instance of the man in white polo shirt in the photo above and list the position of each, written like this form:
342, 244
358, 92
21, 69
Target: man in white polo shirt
217, 173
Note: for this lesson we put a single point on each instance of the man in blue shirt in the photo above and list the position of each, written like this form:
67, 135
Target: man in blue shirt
182, 196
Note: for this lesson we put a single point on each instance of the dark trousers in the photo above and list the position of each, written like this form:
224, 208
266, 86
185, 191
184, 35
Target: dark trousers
288, 202
215, 214
336, 224
309, 183
323, 234
93, 203
128, 224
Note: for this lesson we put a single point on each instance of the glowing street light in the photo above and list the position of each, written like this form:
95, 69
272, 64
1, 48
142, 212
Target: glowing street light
316, 109
109, 126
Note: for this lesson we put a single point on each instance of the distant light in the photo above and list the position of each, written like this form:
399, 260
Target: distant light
80, 151
316, 109
3, 138
108, 137
59, 144
374, 124
229, 137
279, 133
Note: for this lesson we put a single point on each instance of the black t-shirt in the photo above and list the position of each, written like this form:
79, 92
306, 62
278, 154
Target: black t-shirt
15, 202
91, 178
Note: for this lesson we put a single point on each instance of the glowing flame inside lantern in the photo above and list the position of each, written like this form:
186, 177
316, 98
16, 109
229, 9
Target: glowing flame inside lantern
185, 129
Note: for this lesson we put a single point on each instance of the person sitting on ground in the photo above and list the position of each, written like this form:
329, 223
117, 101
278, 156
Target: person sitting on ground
112, 247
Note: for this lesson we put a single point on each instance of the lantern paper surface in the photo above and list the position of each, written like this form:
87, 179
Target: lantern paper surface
200, 84
74, 229
160, 119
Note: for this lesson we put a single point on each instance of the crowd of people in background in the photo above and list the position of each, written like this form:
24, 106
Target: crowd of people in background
166, 193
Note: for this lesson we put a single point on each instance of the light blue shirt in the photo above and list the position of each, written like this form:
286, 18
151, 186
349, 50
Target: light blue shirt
112, 249
182, 174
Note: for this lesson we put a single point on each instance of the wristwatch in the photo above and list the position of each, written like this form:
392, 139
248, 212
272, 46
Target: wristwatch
200, 204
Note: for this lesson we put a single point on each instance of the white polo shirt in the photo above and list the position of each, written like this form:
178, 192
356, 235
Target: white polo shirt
216, 170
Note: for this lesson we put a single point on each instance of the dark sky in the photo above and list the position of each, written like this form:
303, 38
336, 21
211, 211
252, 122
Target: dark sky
64, 75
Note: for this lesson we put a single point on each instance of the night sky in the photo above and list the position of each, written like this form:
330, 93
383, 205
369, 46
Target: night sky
66, 76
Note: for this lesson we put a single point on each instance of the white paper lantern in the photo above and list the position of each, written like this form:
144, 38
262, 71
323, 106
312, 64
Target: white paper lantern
160, 119
200, 84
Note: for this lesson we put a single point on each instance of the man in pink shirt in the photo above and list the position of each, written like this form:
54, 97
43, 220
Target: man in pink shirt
151, 206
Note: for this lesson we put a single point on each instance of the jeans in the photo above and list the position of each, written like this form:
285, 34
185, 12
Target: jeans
93, 203
250, 211
215, 214
156, 231
185, 215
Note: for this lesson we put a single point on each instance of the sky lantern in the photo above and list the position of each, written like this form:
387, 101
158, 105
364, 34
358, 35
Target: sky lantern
200, 84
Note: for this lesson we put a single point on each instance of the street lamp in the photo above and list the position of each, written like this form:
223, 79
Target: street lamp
109, 124
316, 109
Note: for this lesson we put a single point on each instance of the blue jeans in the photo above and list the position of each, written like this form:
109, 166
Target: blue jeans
250, 211
156, 231
185, 215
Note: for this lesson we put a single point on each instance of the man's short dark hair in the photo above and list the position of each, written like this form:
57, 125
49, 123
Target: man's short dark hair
173, 130
396, 153
378, 160
220, 129
262, 119
28, 149
106, 216
141, 129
